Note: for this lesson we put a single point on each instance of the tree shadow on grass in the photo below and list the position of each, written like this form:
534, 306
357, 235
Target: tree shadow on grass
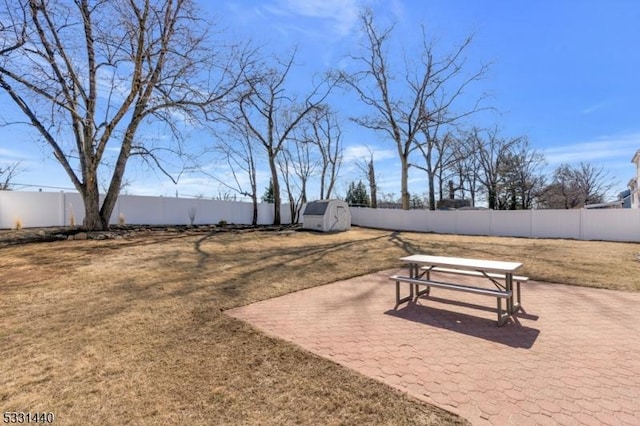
404, 245
302, 256
251, 269
513, 334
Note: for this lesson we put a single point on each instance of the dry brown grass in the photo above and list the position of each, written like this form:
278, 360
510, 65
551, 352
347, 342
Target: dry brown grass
132, 331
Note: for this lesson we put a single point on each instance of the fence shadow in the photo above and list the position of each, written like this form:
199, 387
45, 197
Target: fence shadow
513, 334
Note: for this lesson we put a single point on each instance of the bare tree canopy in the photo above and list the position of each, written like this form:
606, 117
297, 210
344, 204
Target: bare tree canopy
86, 75
493, 151
321, 129
272, 113
522, 179
8, 173
419, 101
576, 186
238, 150
505, 169
297, 165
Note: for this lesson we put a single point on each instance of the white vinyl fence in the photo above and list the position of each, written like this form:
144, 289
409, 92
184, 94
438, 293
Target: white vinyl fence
36, 209
605, 224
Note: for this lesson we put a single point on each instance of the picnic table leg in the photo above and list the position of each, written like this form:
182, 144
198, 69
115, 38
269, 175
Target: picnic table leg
404, 299
502, 316
413, 271
416, 274
515, 307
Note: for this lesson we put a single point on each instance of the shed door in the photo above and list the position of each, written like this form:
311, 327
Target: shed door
341, 217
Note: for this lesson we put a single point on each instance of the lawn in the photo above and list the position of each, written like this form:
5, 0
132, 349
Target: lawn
133, 330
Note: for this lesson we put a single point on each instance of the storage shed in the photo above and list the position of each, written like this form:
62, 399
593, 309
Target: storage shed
327, 216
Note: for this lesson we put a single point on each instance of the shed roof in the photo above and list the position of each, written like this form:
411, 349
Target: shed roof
316, 208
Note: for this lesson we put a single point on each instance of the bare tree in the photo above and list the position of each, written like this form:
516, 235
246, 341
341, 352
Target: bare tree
439, 156
297, 166
321, 128
437, 144
522, 177
87, 75
594, 183
368, 169
493, 152
466, 167
8, 173
576, 186
271, 114
404, 108
238, 150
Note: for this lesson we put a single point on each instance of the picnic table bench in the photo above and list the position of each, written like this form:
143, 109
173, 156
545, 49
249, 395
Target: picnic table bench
500, 273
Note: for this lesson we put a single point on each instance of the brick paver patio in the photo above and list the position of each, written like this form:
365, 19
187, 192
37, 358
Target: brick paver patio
572, 356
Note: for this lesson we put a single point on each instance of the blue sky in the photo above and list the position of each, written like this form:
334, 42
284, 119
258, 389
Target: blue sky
566, 74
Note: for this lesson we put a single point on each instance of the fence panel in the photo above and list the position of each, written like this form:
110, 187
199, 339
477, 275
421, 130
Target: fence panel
72, 209
31, 209
442, 222
611, 225
556, 224
355, 215
387, 218
265, 214
35, 209
473, 222
139, 210
415, 220
175, 211
365, 217
511, 223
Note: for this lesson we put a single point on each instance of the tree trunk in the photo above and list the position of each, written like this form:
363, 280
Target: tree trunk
432, 191
276, 188
372, 185
92, 219
492, 197
116, 180
404, 187
323, 174
254, 200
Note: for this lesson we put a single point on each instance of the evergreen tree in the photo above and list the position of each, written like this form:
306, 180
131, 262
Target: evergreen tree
268, 196
357, 195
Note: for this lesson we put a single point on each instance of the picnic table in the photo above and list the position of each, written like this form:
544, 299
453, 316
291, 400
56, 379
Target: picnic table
499, 273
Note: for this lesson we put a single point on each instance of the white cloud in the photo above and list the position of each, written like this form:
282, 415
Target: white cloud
11, 155
363, 152
604, 148
593, 108
341, 15
397, 9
